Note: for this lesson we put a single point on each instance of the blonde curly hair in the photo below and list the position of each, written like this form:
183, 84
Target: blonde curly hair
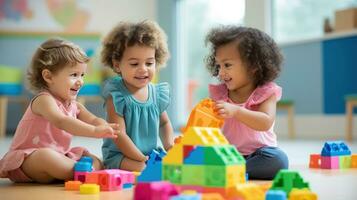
54, 55
126, 34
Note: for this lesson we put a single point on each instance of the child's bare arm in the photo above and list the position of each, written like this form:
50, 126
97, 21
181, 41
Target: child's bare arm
260, 120
166, 131
88, 117
46, 107
123, 142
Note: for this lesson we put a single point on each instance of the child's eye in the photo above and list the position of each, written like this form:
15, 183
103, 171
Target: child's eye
82, 75
150, 64
74, 75
226, 65
134, 64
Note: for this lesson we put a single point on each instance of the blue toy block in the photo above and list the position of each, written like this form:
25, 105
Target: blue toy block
127, 185
86, 159
335, 148
187, 197
196, 156
83, 167
153, 170
275, 195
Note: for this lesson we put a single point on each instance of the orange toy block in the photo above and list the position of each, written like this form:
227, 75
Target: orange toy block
354, 161
203, 115
72, 185
315, 161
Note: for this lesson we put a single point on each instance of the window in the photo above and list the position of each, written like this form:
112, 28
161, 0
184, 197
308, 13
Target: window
301, 19
195, 18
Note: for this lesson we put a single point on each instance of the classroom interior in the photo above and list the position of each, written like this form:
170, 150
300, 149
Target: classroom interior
318, 40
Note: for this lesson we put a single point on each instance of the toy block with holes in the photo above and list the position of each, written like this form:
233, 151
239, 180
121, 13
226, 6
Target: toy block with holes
203, 115
111, 179
82, 168
315, 161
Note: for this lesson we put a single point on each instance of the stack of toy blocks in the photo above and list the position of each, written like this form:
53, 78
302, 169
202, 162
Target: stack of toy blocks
204, 161
290, 184
153, 170
335, 155
82, 168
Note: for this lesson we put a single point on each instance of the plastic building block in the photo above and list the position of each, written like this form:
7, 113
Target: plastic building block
174, 155
153, 169
203, 115
246, 191
335, 148
275, 195
330, 162
83, 167
110, 179
89, 189
72, 185
195, 188
162, 190
80, 176
187, 149
302, 194
345, 162
354, 161
195, 156
127, 185
315, 161
187, 197
211, 196
86, 159
193, 175
172, 173
222, 155
203, 136
287, 180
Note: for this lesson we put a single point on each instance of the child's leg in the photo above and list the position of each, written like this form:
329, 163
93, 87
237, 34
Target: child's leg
45, 165
132, 165
266, 162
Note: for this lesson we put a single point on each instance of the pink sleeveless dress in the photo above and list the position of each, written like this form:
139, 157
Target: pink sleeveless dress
34, 132
247, 140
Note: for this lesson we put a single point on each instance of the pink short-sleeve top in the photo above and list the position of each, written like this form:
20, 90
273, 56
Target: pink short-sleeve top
247, 140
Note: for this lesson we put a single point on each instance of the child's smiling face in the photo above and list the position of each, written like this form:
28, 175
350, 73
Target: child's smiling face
231, 69
66, 83
137, 66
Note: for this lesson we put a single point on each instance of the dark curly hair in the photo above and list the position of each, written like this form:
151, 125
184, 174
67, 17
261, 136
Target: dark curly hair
258, 51
126, 34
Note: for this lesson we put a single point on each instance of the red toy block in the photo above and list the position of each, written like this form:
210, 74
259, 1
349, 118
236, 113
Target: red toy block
315, 161
80, 176
187, 150
354, 161
330, 162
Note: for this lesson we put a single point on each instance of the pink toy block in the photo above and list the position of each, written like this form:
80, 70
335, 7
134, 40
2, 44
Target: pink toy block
162, 190
354, 161
330, 162
315, 161
108, 180
80, 176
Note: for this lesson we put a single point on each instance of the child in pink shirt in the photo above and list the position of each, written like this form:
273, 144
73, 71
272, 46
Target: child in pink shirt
246, 61
40, 150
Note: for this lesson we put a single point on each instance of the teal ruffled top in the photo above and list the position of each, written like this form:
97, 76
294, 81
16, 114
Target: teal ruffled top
142, 119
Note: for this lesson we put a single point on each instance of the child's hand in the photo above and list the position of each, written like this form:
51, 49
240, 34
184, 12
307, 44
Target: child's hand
226, 110
107, 131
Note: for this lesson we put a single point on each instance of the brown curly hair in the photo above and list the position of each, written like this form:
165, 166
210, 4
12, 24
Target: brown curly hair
54, 54
127, 34
258, 51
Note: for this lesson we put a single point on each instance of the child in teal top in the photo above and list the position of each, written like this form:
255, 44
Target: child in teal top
135, 52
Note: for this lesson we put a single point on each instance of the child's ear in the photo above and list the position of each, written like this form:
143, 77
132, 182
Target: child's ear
47, 75
116, 67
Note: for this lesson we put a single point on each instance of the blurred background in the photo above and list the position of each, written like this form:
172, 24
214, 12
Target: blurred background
318, 39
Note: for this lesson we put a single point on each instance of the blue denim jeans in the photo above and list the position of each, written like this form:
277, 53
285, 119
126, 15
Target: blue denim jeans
265, 163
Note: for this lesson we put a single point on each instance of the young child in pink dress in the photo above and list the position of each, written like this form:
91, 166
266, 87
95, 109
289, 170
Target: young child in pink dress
246, 61
40, 150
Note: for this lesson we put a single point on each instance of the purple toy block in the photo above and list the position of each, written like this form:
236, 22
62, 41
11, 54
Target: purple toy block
330, 162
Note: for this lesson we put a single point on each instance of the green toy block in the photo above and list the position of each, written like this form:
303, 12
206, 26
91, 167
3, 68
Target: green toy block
215, 176
345, 162
286, 180
222, 155
172, 173
193, 175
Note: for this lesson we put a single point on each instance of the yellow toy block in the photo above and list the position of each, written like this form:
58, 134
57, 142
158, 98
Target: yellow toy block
302, 194
203, 115
174, 155
203, 136
235, 174
89, 189
246, 191
72, 185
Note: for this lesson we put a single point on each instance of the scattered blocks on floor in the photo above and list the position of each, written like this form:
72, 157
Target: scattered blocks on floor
89, 189
72, 185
